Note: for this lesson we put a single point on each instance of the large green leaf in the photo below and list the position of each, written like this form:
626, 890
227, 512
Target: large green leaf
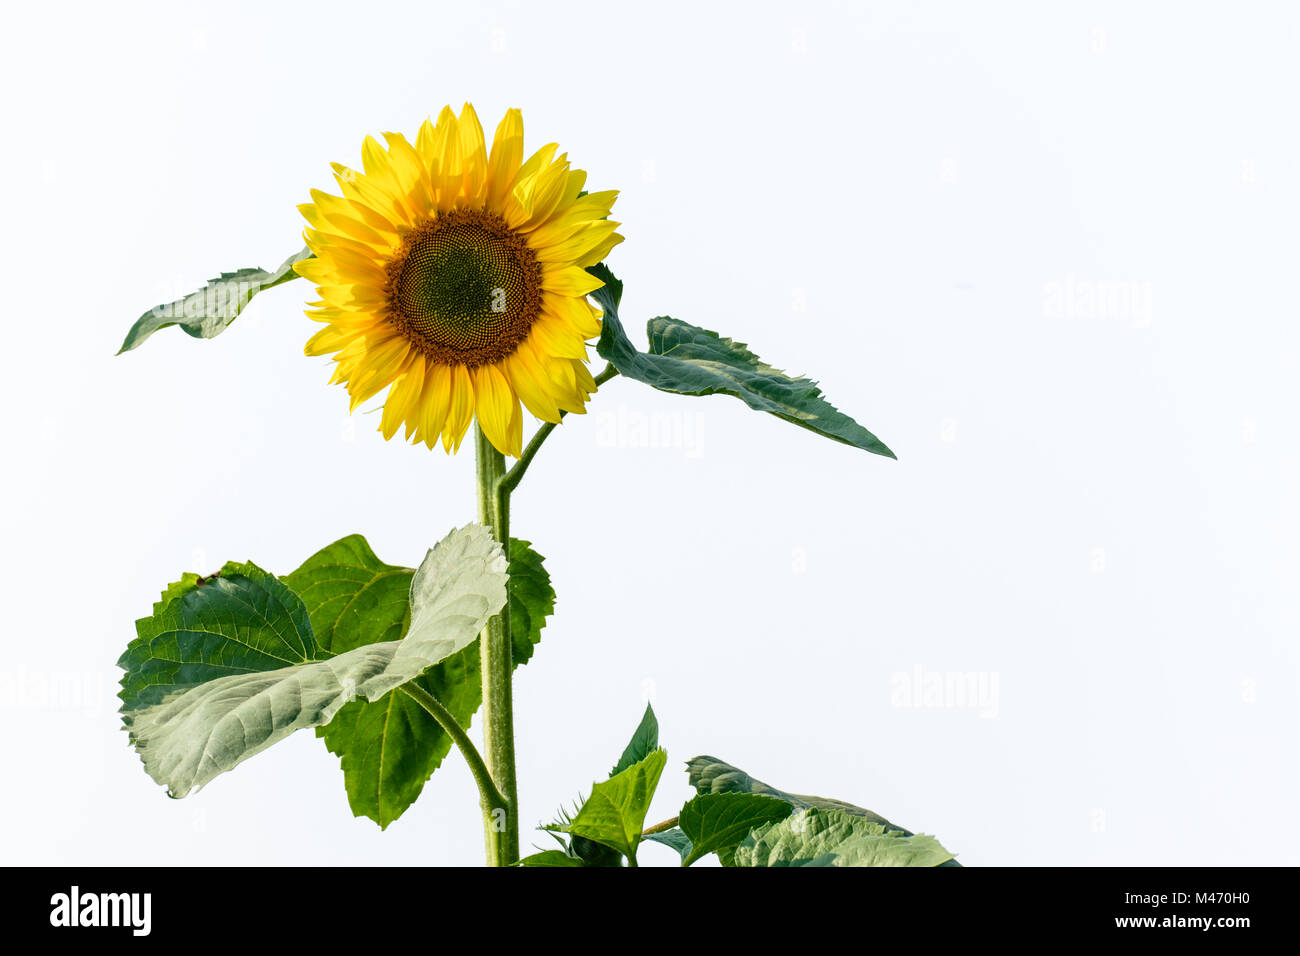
688, 360
239, 620
353, 598
615, 812
836, 838
389, 748
208, 311
231, 665
718, 822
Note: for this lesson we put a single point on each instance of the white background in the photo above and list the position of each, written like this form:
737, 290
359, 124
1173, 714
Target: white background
1094, 511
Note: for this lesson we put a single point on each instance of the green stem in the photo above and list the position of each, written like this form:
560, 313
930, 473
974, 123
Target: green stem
489, 794
501, 824
516, 473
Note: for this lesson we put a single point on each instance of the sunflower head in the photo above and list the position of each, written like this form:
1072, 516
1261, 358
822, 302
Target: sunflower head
457, 276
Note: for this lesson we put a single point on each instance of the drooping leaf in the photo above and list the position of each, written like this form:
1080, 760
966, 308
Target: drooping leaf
389, 748
716, 822
207, 312
645, 740
711, 775
232, 665
688, 360
615, 812
836, 838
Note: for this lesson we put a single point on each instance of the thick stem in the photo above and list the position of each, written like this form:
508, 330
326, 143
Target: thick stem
501, 825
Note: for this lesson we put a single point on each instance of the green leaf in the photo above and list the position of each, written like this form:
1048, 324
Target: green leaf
715, 822
239, 620
711, 775
645, 740
836, 838
532, 599
674, 838
688, 360
615, 812
389, 748
550, 858
207, 312
353, 598
232, 666
177, 589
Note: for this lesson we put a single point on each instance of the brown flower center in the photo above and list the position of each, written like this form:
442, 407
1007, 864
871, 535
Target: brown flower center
464, 288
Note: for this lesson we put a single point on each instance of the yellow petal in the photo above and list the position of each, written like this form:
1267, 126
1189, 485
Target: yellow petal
403, 401
552, 335
341, 225
495, 403
570, 280
337, 210
360, 188
531, 383
352, 297
449, 166
382, 363
322, 243
412, 173
538, 194
600, 251
314, 270
578, 245
522, 186
437, 401
577, 312
566, 220
327, 340
516, 431
424, 143
507, 153
583, 376
461, 410
577, 179
473, 151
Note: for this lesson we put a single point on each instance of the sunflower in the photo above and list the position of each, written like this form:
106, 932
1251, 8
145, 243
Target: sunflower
458, 277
